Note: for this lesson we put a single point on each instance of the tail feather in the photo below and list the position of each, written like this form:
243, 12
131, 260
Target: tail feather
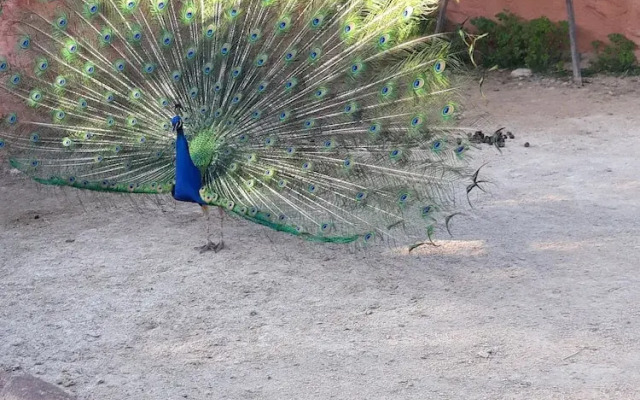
331, 119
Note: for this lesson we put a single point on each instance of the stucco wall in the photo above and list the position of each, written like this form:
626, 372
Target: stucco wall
595, 18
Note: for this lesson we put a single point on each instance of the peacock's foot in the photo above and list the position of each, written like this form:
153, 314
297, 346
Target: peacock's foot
211, 246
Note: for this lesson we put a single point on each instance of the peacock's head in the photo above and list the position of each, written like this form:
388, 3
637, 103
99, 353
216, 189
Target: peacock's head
176, 122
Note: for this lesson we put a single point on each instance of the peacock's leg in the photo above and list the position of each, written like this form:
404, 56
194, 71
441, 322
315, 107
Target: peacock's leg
211, 246
205, 212
221, 243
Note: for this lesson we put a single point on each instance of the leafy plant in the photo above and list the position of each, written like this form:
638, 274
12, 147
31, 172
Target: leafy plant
512, 42
618, 56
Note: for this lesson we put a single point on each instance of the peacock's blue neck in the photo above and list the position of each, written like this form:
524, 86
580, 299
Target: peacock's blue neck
188, 175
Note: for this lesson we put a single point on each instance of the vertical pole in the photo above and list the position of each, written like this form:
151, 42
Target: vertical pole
442, 16
575, 56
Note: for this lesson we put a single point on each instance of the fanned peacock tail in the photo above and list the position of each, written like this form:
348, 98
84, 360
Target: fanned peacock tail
330, 120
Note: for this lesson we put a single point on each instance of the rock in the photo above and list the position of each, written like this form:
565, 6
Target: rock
14, 171
527, 144
521, 73
28, 387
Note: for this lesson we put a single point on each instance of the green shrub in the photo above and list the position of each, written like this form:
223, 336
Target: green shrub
512, 42
619, 56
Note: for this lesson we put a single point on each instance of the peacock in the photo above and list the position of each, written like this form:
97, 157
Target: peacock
330, 120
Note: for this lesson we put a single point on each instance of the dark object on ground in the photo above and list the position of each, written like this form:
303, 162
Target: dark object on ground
498, 138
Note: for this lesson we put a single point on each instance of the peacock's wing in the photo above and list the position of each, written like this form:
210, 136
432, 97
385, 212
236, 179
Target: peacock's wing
327, 119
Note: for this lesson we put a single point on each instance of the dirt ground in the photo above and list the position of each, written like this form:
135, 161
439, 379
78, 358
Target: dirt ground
536, 296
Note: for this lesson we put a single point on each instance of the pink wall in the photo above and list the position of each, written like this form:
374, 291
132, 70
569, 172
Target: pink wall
595, 18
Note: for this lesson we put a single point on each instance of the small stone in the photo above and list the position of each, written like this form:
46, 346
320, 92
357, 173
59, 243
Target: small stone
521, 73
36, 217
253, 313
99, 381
484, 353
527, 144
14, 172
69, 240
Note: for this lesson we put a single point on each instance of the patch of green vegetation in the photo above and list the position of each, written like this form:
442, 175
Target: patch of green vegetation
512, 42
616, 57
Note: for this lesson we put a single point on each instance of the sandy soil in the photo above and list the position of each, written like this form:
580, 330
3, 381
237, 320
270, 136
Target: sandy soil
536, 297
